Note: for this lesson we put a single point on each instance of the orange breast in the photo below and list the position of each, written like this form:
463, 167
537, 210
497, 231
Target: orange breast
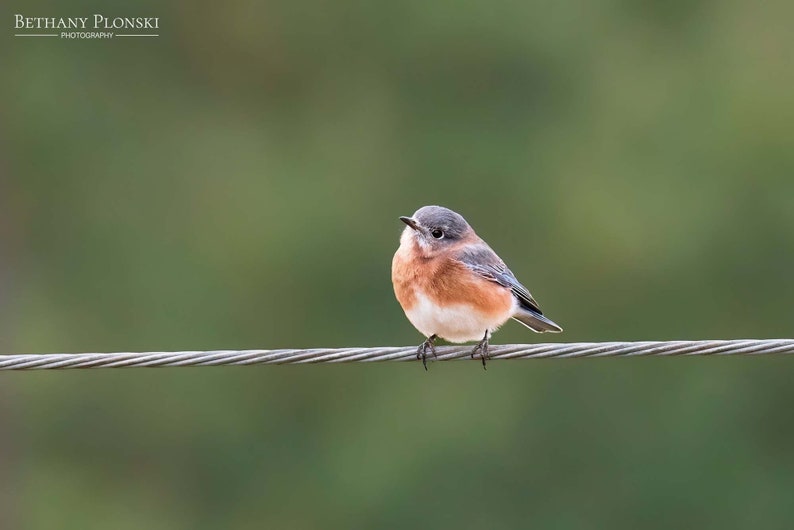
404, 274
446, 282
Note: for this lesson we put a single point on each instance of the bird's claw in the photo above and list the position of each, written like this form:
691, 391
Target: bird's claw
421, 352
481, 350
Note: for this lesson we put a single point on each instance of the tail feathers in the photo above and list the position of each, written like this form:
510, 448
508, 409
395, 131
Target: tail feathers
535, 321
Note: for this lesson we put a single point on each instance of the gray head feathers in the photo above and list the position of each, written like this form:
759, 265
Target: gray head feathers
451, 224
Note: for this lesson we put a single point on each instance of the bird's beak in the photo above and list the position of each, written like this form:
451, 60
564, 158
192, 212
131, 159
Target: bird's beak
410, 221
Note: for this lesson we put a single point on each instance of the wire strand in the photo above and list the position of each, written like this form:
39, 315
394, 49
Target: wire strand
60, 361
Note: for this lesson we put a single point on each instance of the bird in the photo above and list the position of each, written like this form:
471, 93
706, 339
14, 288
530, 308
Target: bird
452, 285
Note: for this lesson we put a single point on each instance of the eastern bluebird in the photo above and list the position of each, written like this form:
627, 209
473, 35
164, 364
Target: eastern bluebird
452, 285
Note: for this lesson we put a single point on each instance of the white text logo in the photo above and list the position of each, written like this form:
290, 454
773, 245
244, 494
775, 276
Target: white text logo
93, 27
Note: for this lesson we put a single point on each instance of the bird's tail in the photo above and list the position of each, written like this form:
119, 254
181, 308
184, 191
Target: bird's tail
535, 321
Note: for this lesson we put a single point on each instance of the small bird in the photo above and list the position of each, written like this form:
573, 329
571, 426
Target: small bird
452, 285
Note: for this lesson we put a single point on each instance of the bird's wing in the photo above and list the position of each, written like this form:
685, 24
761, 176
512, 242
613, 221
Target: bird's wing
482, 260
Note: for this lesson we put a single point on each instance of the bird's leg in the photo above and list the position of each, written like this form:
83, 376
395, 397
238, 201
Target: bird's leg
481, 349
421, 352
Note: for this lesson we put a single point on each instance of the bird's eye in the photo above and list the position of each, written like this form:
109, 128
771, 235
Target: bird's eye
437, 233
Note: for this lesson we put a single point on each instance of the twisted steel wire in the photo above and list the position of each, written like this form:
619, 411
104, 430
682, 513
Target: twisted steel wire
53, 361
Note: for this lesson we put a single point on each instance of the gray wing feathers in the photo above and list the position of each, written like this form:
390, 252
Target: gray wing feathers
484, 261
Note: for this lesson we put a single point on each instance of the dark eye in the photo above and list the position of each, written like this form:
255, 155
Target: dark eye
437, 233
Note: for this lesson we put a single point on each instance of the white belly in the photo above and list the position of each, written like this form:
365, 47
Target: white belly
456, 323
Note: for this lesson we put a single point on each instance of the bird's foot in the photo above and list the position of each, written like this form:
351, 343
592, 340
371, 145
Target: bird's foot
481, 350
421, 352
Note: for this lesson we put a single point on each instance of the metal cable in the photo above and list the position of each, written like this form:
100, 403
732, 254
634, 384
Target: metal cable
50, 361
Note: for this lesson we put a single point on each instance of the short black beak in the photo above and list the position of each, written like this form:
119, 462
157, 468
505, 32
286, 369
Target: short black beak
410, 221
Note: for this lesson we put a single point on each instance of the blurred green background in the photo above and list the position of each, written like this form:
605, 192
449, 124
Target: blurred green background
236, 182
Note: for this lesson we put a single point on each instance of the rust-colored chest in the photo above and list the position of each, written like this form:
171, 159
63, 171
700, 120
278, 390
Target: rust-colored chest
444, 281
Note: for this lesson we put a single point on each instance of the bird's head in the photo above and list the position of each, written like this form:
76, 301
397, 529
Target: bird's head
434, 228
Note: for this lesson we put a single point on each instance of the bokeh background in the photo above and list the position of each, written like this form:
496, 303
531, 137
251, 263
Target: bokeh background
236, 182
